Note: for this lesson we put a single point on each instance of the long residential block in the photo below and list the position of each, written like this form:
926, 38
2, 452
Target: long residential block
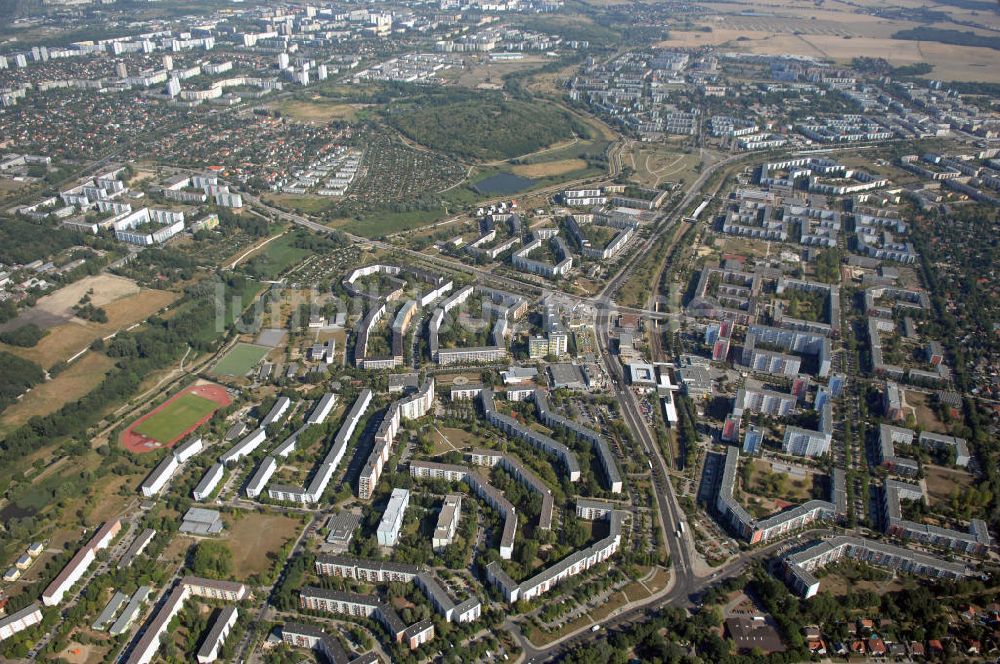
544, 443
799, 566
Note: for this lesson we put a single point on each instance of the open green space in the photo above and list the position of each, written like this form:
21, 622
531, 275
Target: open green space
277, 257
302, 203
380, 224
484, 126
176, 417
240, 360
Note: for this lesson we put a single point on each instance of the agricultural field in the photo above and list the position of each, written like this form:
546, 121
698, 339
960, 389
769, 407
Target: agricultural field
840, 34
240, 360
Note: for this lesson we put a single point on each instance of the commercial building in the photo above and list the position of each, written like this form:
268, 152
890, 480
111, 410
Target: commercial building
198, 521
341, 527
392, 520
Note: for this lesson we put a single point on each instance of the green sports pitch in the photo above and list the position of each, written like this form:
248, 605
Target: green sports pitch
175, 418
240, 360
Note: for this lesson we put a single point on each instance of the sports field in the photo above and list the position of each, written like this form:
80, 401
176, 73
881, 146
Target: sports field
240, 360
175, 418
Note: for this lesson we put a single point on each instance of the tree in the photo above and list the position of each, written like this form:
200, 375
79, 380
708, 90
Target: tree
212, 559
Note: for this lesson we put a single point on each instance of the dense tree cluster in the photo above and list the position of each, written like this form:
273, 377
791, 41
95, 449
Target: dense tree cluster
483, 126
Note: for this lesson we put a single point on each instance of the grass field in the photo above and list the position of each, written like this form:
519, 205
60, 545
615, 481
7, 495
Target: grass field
655, 166
304, 203
254, 536
549, 168
448, 440
240, 360
317, 110
50, 396
171, 422
282, 254
380, 224
69, 338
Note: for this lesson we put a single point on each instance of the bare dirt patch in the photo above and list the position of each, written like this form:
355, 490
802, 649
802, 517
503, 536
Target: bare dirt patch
77, 653
926, 418
254, 536
942, 481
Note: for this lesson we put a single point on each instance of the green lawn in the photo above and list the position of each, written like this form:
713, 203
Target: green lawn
170, 423
240, 360
276, 257
380, 224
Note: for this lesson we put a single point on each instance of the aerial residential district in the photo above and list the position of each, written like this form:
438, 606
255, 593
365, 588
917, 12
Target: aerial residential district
515, 331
